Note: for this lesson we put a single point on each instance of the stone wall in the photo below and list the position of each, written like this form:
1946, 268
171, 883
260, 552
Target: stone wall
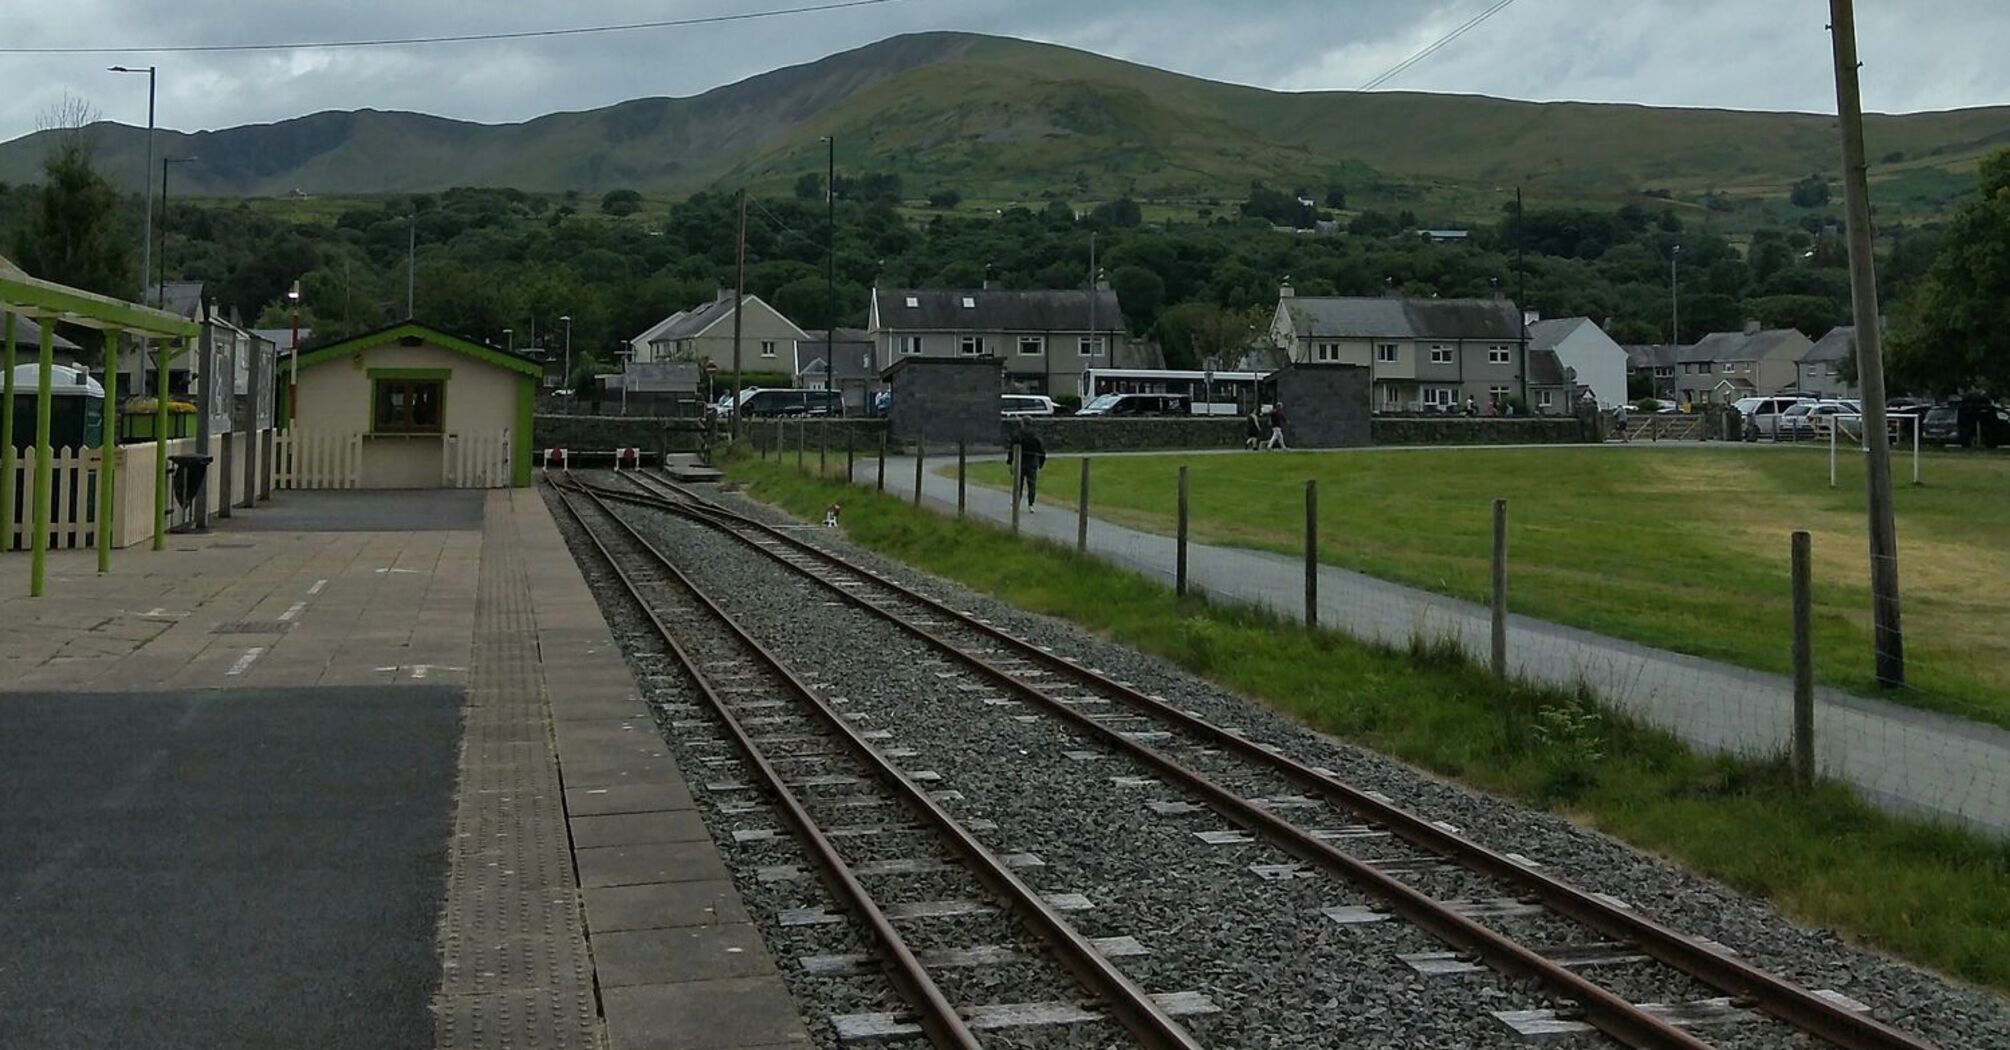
1098, 434
771, 434
944, 400
1465, 430
1325, 406
606, 433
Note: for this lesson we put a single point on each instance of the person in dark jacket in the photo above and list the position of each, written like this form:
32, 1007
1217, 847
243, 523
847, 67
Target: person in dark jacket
1032, 456
1253, 430
1277, 428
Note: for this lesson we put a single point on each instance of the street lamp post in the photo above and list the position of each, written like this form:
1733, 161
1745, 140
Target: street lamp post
293, 380
146, 226
509, 340
1675, 310
565, 378
831, 265
166, 163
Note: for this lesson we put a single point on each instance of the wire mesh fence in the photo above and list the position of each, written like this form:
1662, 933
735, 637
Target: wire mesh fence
1679, 617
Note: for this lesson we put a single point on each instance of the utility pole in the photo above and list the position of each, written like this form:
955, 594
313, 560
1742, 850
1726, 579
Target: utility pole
831, 266
1521, 293
739, 300
1095, 338
1675, 296
1887, 636
146, 223
411, 264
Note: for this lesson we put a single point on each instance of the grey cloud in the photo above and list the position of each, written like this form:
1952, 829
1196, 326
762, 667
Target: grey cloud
1728, 53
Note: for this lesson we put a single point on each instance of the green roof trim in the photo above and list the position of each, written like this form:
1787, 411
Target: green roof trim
394, 334
49, 301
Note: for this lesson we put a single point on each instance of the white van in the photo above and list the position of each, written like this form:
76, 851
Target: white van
1762, 414
1014, 405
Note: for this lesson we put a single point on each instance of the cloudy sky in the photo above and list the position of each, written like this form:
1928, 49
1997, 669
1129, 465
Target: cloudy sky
1747, 54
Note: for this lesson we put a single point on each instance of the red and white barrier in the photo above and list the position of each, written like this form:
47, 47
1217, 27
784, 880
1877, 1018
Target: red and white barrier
556, 457
627, 459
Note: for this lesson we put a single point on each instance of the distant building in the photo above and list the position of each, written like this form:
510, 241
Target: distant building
1446, 236
1821, 366
1423, 353
705, 333
1581, 346
1552, 385
1045, 339
857, 374
1657, 361
1725, 366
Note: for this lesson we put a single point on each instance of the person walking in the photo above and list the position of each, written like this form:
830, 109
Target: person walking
1277, 428
1032, 456
1252, 431
1619, 420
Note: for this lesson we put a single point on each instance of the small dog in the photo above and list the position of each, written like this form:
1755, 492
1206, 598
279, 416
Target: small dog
831, 516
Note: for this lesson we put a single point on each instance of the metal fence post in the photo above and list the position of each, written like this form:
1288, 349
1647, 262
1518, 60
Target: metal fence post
880, 484
920, 453
823, 450
1804, 664
1179, 561
1500, 601
1082, 512
850, 439
802, 438
1311, 554
962, 456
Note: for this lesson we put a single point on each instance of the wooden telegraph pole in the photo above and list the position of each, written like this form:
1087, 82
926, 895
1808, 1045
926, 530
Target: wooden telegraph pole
739, 300
1887, 636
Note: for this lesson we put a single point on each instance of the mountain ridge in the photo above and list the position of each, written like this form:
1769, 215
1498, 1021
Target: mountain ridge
1010, 118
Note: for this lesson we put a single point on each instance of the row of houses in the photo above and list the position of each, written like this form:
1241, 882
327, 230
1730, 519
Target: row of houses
1423, 354
1724, 366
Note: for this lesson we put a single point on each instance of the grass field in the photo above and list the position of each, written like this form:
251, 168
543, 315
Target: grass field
1932, 895
1684, 549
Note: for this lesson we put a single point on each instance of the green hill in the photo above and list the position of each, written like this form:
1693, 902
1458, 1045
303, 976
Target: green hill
1005, 118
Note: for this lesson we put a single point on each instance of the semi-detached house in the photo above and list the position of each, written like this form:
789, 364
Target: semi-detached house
1422, 353
1045, 339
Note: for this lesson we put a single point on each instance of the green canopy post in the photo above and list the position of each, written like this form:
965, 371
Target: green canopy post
160, 443
108, 455
7, 436
39, 536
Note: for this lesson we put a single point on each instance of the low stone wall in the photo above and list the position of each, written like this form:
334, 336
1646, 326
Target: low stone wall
606, 433
769, 434
1458, 430
1097, 434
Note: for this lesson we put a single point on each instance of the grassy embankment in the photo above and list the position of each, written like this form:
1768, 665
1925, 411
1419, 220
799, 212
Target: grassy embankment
1929, 894
1684, 549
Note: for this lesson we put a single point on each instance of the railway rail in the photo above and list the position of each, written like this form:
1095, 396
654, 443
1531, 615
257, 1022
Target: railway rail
1034, 673
700, 636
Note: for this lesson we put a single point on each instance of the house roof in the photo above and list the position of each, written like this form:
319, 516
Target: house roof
1652, 355
1840, 343
853, 347
1742, 346
1546, 334
996, 310
29, 334
283, 337
1364, 317
1546, 369
692, 323
181, 297
1713, 347
413, 332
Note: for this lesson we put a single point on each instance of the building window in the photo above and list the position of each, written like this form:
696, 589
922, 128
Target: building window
1442, 396
1032, 345
1441, 354
1092, 346
973, 346
408, 406
1386, 353
1542, 398
1392, 395
910, 345
767, 348
1498, 354
1326, 352
1497, 393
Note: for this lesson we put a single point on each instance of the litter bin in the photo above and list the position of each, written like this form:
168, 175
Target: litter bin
185, 476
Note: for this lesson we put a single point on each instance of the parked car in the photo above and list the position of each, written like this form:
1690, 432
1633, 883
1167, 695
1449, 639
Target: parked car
1013, 405
1814, 418
1966, 423
1762, 414
1139, 405
757, 402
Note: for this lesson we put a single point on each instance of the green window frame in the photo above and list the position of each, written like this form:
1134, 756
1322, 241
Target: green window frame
408, 400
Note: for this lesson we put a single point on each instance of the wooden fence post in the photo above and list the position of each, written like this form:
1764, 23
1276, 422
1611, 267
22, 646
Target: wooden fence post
880, 485
1500, 591
1804, 664
1179, 561
1311, 554
823, 450
920, 454
802, 439
1012, 464
961, 465
849, 441
1082, 512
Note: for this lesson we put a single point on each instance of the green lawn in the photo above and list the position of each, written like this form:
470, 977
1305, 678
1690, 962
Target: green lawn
1685, 549
1930, 894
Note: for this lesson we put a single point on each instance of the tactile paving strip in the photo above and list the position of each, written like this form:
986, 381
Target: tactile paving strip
513, 943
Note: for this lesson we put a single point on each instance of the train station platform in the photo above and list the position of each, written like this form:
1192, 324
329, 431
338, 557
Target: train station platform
354, 769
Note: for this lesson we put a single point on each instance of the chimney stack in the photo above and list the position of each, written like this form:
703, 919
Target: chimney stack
1389, 289
1499, 292
1102, 280
1752, 326
1285, 291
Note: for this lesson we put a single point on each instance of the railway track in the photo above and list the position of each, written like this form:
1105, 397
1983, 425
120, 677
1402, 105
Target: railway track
747, 690
1239, 769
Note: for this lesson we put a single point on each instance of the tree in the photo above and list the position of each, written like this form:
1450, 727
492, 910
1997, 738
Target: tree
1122, 213
945, 199
73, 234
1336, 197
1953, 332
1142, 293
810, 186
1811, 192
621, 202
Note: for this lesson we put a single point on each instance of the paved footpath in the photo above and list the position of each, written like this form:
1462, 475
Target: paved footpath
1906, 759
385, 784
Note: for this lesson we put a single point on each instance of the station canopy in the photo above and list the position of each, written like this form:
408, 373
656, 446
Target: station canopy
49, 302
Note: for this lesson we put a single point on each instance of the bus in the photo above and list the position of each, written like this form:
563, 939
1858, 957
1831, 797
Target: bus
1209, 393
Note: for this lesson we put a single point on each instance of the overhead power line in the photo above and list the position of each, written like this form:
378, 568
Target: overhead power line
457, 38
1471, 24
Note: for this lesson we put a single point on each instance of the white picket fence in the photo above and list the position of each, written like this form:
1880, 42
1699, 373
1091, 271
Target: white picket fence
477, 461
315, 459
73, 500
